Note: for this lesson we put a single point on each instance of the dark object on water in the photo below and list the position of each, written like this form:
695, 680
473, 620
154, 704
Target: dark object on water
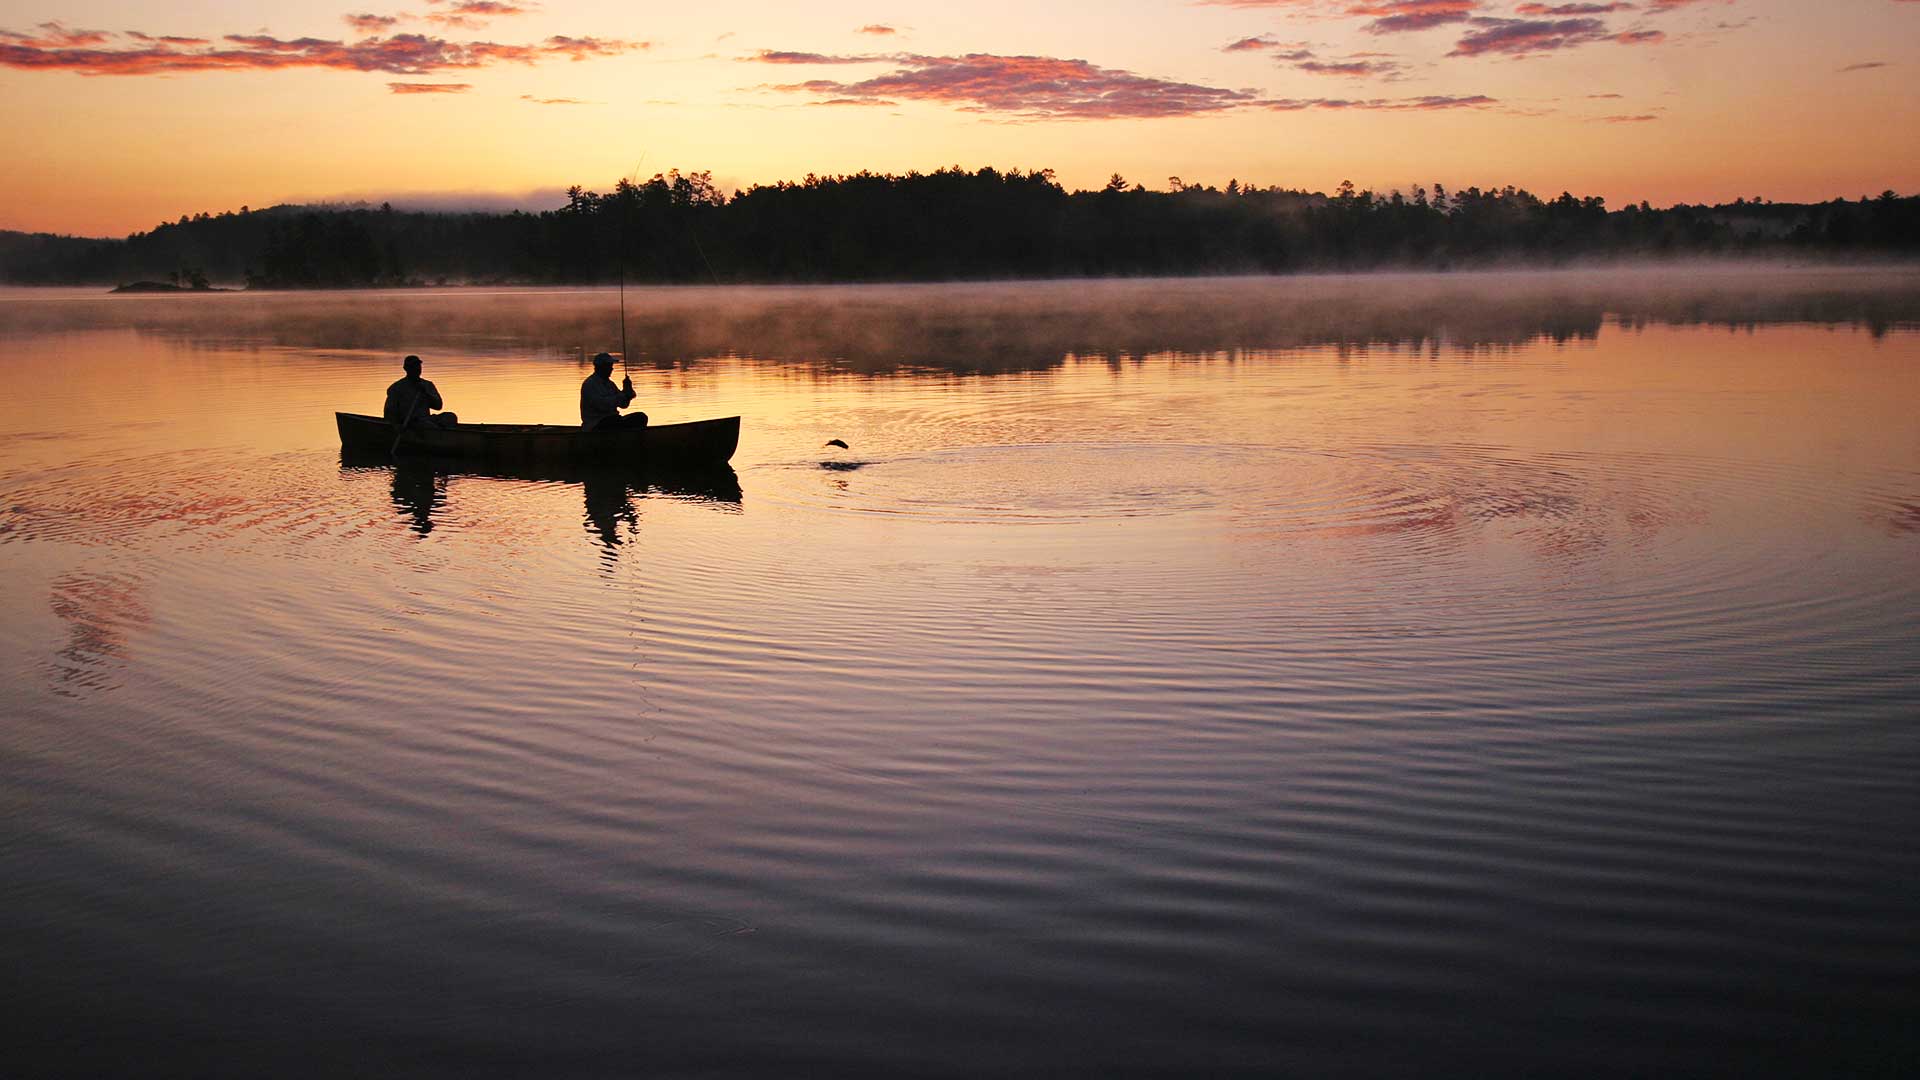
836, 442
709, 442
164, 287
713, 482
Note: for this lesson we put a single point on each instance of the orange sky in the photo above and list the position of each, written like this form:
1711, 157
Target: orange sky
112, 127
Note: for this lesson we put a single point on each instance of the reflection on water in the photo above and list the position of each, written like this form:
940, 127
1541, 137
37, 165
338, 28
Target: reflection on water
417, 492
102, 611
1484, 673
1032, 326
420, 487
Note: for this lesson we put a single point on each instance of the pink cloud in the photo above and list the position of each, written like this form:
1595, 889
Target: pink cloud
166, 39
1350, 67
371, 24
1405, 16
54, 35
400, 54
1388, 16
471, 14
1640, 119
783, 56
877, 29
1571, 9
1048, 88
1250, 44
586, 48
1527, 37
429, 88
1029, 87
1428, 103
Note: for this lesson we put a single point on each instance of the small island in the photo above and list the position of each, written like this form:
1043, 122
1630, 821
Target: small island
194, 281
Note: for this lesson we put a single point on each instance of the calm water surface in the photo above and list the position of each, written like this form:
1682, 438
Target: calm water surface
1315, 676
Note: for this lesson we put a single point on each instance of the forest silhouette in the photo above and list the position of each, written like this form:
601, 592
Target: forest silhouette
950, 224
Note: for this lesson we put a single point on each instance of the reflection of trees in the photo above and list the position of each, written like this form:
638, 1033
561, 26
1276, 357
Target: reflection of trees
1030, 326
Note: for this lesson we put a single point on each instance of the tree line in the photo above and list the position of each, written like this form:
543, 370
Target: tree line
948, 224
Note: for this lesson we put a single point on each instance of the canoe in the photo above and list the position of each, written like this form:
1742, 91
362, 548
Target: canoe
699, 442
710, 481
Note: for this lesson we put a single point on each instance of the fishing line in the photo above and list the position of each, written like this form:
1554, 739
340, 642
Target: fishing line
620, 225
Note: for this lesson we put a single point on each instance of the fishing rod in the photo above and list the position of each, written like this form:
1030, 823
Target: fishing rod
626, 372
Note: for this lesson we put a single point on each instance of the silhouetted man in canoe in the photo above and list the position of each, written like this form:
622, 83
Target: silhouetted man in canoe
411, 401
601, 401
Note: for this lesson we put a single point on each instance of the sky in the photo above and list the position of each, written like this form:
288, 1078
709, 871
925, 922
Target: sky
120, 115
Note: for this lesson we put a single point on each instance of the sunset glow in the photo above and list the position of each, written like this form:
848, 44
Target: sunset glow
124, 115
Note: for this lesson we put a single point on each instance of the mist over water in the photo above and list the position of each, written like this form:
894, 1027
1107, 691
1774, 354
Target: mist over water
1321, 676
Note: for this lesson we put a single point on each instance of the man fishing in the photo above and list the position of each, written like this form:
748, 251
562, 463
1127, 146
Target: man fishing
412, 399
601, 401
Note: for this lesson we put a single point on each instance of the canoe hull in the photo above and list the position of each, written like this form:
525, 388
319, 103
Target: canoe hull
700, 442
712, 482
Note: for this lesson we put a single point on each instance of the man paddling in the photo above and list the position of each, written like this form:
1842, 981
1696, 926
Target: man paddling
412, 399
601, 401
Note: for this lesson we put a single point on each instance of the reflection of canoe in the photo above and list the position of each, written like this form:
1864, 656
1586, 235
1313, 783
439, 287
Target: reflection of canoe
711, 482
701, 441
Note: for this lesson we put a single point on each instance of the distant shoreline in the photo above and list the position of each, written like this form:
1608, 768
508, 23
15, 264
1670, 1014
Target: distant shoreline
1694, 262
953, 225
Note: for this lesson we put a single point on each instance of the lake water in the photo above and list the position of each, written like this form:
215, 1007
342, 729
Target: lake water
1312, 676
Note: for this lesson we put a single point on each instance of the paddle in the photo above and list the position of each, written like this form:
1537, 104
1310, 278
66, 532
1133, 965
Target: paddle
404, 419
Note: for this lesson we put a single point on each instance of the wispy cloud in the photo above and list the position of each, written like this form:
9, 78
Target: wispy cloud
429, 88
785, 56
1285, 51
1532, 37
1562, 10
55, 35
1296, 5
167, 39
1353, 67
586, 48
556, 100
1387, 16
371, 24
1867, 65
489, 8
1296, 55
878, 29
399, 54
1405, 16
1428, 103
1637, 119
473, 14
1021, 87
1047, 88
